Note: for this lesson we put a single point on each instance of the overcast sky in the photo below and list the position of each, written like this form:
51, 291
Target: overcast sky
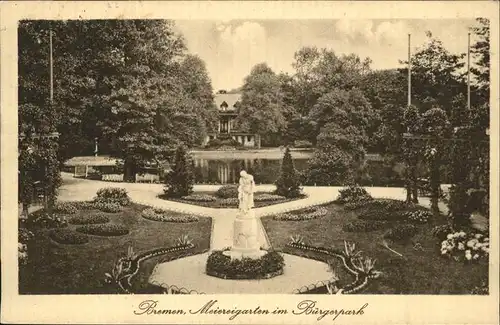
231, 48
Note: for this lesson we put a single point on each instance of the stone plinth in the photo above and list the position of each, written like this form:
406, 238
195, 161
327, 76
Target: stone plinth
245, 237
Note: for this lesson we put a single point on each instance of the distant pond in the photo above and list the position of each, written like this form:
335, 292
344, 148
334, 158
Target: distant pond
226, 171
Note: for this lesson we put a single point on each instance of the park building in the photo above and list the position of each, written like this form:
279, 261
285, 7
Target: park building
228, 106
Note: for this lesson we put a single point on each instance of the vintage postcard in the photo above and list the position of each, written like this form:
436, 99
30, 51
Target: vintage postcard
249, 162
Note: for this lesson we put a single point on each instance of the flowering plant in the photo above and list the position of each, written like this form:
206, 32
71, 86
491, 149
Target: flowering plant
465, 246
22, 253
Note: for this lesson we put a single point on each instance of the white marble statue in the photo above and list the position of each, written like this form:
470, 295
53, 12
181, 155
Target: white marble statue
245, 191
246, 228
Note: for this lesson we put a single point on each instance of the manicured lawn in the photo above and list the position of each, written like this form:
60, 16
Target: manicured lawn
79, 269
231, 203
417, 272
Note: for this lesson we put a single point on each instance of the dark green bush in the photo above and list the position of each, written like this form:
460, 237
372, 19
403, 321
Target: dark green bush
103, 230
401, 232
24, 235
89, 219
364, 226
68, 237
227, 191
220, 265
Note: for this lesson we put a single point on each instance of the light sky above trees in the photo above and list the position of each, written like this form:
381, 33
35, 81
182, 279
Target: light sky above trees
231, 48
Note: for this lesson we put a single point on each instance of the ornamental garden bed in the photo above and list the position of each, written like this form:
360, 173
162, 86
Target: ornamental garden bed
421, 270
211, 200
268, 266
57, 265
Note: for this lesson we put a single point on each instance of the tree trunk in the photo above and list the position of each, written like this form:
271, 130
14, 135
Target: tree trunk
129, 171
414, 184
408, 182
435, 185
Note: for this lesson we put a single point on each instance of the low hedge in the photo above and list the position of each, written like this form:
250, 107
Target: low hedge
268, 197
401, 232
68, 237
303, 214
165, 216
89, 219
364, 226
104, 230
222, 266
199, 198
229, 202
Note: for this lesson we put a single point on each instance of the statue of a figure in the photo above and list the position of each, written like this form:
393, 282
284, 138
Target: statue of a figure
245, 191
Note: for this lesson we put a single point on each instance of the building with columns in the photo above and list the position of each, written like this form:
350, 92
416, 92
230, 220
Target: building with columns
228, 105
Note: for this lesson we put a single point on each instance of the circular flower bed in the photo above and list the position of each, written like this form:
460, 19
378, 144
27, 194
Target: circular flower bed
229, 202
87, 220
268, 266
304, 214
364, 226
199, 198
68, 237
103, 230
164, 216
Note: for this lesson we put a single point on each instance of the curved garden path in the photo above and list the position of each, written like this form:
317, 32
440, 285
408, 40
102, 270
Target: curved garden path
74, 189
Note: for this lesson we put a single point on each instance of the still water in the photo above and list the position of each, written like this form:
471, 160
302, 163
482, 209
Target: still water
226, 171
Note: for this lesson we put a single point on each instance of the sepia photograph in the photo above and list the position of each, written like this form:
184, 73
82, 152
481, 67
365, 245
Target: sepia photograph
314, 157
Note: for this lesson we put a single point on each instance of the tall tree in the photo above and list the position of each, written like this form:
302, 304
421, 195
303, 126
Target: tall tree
481, 68
261, 109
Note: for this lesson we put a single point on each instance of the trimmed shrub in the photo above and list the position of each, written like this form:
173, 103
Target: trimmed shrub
112, 195
353, 194
227, 192
87, 220
180, 180
65, 208
68, 237
103, 230
268, 198
108, 207
199, 198
364, 226
269, 265
288, 182
164, 216
401, 232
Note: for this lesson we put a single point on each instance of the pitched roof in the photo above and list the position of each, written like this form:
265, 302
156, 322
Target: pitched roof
230, 99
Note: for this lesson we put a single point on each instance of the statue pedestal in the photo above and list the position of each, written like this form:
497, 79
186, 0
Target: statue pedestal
245, 237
